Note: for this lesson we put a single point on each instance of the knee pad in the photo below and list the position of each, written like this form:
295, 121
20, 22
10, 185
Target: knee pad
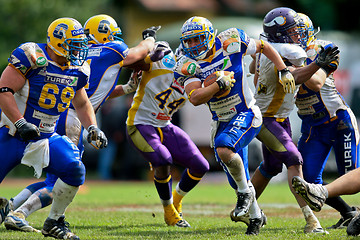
75, 174
45, 195
199, 165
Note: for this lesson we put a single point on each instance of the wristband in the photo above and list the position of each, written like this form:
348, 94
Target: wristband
6, 89
19, 123
91, 127
220, 84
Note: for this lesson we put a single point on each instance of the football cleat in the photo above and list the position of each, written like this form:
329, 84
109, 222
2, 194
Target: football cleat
244, 200
244, 218
353, 229
172, 217
345, 220
313, 194
256, 224
58, 229
16, 221
4, 208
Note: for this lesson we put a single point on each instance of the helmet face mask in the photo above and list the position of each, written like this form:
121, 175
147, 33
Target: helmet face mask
309, 31
101, 29
66, 38
197, 30
283, 25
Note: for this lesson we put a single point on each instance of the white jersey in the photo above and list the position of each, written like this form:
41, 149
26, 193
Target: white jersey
158, 96
269, 94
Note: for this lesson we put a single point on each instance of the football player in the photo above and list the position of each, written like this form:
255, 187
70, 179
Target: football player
317, 194
108, 54
40, 83
236, 118
276, 105
327, 123
163, 144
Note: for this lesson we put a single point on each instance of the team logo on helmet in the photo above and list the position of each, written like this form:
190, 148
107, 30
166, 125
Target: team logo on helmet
191, 27
103, 26
280, 20
59, 30
77, 32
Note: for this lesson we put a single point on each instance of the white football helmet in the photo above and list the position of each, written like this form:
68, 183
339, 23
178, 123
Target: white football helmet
309, 31
201, 28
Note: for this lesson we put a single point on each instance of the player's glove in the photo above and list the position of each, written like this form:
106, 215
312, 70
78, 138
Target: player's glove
150, 32
287, 80
328, 58
160, 50
133, 82
95, 134
27, 131
225, 82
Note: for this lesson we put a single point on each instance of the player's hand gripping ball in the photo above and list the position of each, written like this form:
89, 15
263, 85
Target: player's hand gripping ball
224, 79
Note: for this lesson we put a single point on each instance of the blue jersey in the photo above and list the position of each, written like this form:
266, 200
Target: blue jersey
230, 48
48, 91
238, 119
49, 87
105, 63
327, 123
315, 108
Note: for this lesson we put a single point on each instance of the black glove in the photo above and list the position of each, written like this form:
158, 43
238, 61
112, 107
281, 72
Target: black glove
95, 134
27, 131
150, 32
328, 58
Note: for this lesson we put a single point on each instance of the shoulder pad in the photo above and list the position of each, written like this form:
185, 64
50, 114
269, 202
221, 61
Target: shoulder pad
229, 33
314, 48
230, 40
118, 46
294, 53
34, 54
85, 68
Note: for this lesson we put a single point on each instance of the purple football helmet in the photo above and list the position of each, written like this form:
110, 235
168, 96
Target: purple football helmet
277, 23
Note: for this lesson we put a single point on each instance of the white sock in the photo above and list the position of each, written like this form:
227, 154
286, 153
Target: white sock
21, 198
308, 213
167, 202
63, 195
254, 210
237, 171
32, 204
179, 191
326, 191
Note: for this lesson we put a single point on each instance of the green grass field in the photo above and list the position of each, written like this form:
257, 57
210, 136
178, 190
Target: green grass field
131, 210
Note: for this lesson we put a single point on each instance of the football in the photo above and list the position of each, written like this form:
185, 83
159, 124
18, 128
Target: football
211, 79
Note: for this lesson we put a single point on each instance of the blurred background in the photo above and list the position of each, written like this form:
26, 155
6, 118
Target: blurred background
27, 20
